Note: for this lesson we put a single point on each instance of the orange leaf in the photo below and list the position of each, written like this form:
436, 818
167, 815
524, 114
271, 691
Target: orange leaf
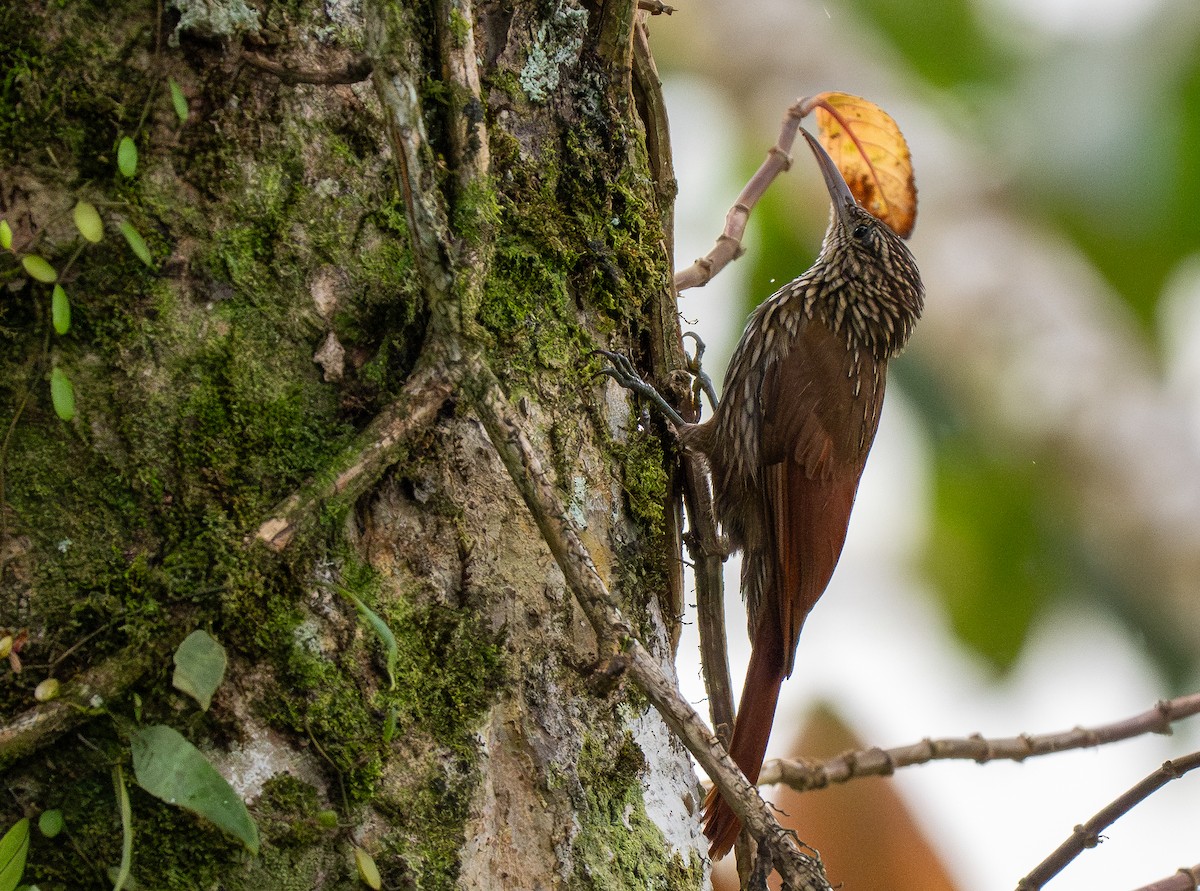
870, 150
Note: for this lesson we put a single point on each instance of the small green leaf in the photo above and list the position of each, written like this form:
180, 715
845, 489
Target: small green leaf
127, 156
5, 235
367, 870
126, 828
199, 667
385, 634
172, 769
39, 269
60, 310
178, 100
136, 243
88, 222
50, 823
13, 848
47, 689
389, 724
62, 394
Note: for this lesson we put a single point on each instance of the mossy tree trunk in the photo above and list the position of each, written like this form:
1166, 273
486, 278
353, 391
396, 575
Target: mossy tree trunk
375, 219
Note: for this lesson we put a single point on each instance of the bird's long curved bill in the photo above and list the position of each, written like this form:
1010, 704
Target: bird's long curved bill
842, 197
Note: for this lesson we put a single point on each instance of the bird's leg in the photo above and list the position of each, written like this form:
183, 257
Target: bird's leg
702, 383
621, 370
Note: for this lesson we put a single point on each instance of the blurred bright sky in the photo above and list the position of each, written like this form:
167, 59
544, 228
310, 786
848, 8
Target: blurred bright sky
877, 645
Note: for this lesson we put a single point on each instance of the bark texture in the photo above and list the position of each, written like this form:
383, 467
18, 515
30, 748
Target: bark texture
275, 420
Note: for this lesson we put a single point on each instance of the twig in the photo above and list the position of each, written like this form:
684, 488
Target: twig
76, 702
379, 447
883, 762
468, 131
1185, 879
799, 870
355, 71
729, 244
425, 209
1088, 835
655, 7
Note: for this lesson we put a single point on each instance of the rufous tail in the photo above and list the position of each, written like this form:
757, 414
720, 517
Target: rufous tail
751, 730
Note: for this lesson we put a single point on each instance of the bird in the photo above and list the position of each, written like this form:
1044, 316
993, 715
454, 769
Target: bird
788, 441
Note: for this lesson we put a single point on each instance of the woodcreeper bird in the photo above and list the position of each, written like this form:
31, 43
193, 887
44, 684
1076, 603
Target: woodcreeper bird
789, 439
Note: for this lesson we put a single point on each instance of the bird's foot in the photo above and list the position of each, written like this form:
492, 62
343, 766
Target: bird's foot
622, 371
702, 383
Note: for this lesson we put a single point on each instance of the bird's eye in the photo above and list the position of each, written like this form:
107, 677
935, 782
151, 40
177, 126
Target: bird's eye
861, 230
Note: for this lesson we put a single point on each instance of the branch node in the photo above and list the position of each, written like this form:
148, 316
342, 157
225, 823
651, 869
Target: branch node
785, 159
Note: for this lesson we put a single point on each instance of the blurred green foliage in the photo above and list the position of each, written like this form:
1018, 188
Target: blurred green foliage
1096, 137
1005, 540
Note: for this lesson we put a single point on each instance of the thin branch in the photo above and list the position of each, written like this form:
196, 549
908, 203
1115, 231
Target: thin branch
1088, 835
78, 700
729, 245
378, 448
425, 209
1185, 879
884, 762
800, 870
655, 7
468, 130
355, 71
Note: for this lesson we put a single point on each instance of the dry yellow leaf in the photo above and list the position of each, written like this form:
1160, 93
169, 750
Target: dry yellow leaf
870, 151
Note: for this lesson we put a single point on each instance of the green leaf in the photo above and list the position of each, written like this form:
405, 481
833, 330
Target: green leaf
62, 394
50, 823
172, 769
127, 156
199, 667
367, 870
385, 634
5, 235
126, 828
60, 310
88, 222
178, 100
136, 243
39, 269
13, 848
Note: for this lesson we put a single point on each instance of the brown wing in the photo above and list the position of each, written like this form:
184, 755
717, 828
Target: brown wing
817, 431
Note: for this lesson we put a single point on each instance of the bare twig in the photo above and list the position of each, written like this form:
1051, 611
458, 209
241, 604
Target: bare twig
379, 446
78, 701
729, 244
424, 205
800, 870
1185, 879
1088, 835
883, 762
468, 131
655, 7
355, 71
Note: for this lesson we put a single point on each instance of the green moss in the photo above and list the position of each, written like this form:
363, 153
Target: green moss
617, 845
71, 94
286, 813
320, 696
428, 817
460, 28
643, 465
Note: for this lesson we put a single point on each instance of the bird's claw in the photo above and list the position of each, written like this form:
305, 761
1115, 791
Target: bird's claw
702, 382
622, 371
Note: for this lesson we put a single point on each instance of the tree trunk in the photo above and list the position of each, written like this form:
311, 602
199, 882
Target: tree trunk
378, 237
